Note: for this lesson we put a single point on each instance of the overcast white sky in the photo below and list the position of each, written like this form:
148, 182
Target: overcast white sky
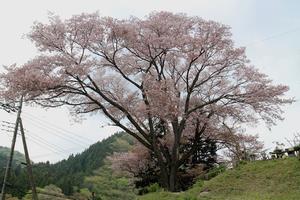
269, 29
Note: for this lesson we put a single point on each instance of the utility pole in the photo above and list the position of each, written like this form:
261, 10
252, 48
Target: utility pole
12, 149
28, 163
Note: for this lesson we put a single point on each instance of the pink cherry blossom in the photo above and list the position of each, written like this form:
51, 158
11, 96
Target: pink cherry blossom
163, 79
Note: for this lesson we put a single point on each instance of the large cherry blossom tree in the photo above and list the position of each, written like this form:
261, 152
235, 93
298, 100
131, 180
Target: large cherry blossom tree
164, 79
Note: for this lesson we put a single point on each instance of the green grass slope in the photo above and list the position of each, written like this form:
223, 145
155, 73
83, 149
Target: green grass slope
260, 180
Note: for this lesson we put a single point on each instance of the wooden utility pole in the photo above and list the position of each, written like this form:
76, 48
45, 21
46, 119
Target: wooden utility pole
28, 162
12, 149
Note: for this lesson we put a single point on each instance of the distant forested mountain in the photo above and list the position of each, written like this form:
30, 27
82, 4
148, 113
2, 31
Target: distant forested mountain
72, 174
17, 167
4, 154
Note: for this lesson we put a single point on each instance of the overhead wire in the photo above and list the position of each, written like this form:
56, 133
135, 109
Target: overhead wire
270, 37
54, 126
57, 149
57, 133
43, 125
44, 145
35, 138
7, 125
42, 142
9, 129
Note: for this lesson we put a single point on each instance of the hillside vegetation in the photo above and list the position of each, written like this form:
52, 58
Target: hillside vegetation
69, 174
76, 174
81, 174
4, 154
259, 180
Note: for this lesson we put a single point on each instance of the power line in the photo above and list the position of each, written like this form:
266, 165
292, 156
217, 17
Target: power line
54, 127
79, 136
49, 125
54, 132
43, 143
270, 37
45, 126
64, 134
35, 138
49, 130
57, 149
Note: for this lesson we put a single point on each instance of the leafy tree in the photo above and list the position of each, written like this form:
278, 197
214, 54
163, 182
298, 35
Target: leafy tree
165, 79
108, 185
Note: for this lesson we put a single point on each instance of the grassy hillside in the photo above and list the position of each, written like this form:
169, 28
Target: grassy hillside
260, 180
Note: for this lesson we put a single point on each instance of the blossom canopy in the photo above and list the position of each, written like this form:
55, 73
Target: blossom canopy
165, 79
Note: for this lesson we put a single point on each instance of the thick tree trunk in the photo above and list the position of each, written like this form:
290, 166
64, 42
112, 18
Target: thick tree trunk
164, 178
173, 178
168, 162
163, 166
168, 178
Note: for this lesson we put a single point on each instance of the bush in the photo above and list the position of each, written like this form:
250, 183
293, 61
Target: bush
153, 188
215, 171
